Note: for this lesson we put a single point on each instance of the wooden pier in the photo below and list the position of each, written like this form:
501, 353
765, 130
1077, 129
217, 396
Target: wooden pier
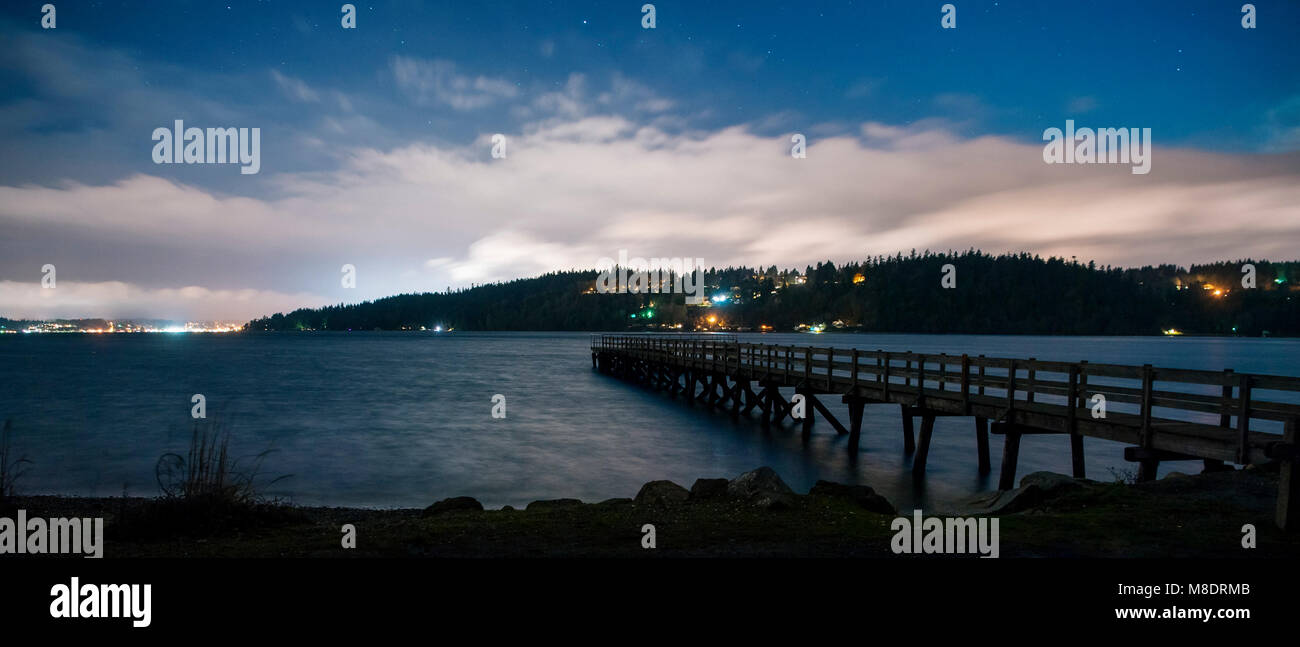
1171, 416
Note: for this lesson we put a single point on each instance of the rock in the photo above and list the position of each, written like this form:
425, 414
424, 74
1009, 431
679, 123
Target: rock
1176, 475
1035, 489
454, 504
507, 508
661, 493
709, 490
619, 501
1002, 502
865, 497
763, 488
1050, 483
552, 504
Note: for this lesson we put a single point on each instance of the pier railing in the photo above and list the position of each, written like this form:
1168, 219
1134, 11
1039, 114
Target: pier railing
1171, 409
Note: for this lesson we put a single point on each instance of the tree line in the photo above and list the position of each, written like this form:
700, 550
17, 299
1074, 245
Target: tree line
1003, 294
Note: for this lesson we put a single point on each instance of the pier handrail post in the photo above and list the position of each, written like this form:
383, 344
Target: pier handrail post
789, 351
943, 371
886, 374
1071, 398
1243, 419
965, 383
981, 374
830, 368
1030, 374
807, 367
855, 372
1148, 378
1011, 391
1225, 405
920, 381
1083, 383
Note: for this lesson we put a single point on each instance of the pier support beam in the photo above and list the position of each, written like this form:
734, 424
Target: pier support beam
826, 413
909, 441
1076, 456
982, 444
1288, 487
856, 405
1010, 454
923, 448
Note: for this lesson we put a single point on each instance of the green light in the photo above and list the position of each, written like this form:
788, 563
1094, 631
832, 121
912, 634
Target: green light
1279, 280
633, 315
649, 314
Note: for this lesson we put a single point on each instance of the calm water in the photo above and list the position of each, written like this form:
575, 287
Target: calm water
403, 419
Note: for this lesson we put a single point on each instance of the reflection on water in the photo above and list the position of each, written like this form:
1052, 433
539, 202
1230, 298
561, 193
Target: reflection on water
403, 419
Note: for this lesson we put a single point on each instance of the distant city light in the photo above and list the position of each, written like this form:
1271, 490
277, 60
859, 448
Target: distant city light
721, 298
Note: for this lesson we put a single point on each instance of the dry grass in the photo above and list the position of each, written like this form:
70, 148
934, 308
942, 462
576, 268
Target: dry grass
11, 468
208, 472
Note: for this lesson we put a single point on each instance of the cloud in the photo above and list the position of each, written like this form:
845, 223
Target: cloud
425, 216
295, 88
437, 82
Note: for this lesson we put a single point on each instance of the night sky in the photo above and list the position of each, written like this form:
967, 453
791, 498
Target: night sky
673, 141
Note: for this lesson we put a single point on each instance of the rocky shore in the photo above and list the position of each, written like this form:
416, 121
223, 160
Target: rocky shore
752, 515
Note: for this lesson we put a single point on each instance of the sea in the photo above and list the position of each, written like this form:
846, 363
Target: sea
403, 419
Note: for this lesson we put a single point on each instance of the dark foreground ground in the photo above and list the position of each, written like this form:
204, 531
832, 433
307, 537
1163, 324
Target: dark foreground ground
1179, 516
